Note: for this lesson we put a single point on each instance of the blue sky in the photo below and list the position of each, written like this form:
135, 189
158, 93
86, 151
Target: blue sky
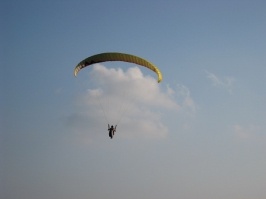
200, 133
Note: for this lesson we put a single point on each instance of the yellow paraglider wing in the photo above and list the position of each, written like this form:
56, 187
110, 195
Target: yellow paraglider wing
113, 56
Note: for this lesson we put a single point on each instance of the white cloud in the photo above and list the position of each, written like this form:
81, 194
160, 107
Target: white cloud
188, 104
243, 133
226, 83
131, 85
134, 101
247, 132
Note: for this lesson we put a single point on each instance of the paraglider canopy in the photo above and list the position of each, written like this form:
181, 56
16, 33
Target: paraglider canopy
114, 56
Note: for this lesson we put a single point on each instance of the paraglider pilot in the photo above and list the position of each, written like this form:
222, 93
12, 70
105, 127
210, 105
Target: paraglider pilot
112, 131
